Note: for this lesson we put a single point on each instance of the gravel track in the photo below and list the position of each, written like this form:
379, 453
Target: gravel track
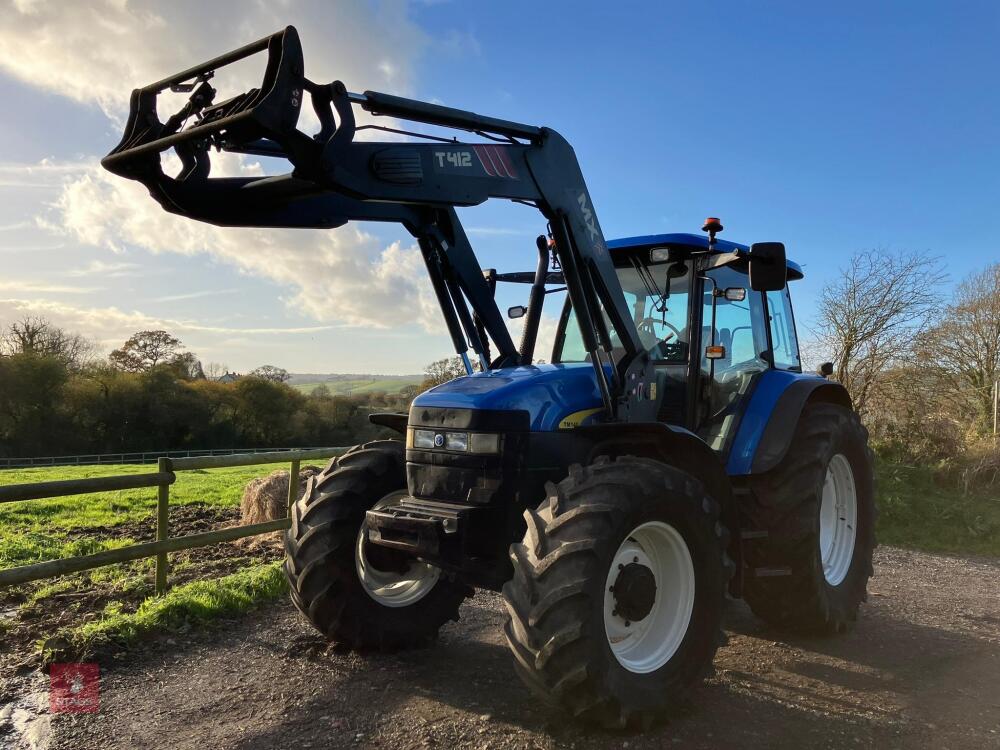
922, 669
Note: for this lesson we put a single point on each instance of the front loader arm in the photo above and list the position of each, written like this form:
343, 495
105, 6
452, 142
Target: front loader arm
336, 179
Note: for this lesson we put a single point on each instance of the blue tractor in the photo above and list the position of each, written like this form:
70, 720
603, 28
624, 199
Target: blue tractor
669, 454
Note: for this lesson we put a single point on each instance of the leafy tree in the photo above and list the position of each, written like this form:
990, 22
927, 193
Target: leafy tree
32, 415
272, 373
186, 366
265, 410
144, 350
441, 371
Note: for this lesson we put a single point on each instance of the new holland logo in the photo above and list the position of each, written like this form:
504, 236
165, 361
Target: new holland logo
438, 440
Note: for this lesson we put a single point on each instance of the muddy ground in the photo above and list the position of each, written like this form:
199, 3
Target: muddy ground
922, 669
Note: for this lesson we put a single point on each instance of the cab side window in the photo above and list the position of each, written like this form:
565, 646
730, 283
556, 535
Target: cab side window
784, 343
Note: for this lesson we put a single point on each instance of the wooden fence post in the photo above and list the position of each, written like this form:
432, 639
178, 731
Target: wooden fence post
163, 464
293, 486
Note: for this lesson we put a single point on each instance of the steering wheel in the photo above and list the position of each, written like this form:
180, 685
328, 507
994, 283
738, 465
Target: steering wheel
647, 325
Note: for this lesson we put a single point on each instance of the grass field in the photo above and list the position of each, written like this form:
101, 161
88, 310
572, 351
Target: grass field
69, 616
918, 512
58, 527
78, 612
348, 387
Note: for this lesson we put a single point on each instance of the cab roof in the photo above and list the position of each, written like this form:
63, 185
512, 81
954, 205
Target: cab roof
699, 241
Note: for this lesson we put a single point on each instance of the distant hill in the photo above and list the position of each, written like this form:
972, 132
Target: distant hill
343, 384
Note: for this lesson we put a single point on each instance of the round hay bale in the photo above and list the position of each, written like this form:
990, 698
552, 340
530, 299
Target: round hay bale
266, 498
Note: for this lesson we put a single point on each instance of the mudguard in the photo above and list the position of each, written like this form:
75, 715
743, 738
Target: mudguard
392, 420
668, 443
768, 424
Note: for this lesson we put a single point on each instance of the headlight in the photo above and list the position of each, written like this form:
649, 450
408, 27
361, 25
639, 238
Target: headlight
458, 442
484, 442
423, 438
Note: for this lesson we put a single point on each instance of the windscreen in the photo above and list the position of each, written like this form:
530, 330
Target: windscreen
657, 294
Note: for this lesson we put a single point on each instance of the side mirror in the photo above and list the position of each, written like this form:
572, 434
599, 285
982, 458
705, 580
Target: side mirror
825, 370
768, 267
517, 311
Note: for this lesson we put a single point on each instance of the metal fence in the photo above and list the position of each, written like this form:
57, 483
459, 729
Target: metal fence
147, 457
162, 478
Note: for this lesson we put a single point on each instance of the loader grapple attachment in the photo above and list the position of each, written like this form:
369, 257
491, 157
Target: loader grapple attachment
265, 113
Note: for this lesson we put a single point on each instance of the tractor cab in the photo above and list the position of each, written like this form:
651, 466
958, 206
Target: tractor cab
707, 333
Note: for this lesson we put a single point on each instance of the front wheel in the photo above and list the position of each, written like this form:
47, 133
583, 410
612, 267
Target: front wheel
616, 602
354, 592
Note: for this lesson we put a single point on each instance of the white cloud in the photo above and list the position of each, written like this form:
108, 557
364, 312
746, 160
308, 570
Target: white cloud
36, 287
195, 295
98, 51
544, 339
106, 270
342, 275
110, 326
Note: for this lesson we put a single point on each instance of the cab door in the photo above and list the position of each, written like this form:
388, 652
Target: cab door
741, 330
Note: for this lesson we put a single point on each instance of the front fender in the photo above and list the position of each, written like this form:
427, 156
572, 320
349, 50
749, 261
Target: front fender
672, 445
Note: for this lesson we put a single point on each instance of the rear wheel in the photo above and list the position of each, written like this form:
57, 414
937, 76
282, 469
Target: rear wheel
818, 507
354, 592
616, 602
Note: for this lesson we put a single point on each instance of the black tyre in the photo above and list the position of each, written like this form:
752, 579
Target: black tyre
587, 628
818, 507
363, 596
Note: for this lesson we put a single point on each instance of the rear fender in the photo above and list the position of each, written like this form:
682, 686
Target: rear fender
768, 425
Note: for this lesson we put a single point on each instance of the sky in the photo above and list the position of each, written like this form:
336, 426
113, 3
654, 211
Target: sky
830, 127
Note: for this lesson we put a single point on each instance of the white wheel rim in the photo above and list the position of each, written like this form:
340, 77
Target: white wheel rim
394, 589
646, 645
838, 520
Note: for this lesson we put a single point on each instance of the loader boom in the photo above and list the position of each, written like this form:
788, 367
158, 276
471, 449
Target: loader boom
336, 179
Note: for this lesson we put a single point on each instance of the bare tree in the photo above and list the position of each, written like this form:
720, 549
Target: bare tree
870, 315
215, 370
34, 335
144, 350
964, 347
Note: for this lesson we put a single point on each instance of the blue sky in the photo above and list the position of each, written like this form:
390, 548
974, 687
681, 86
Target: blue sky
832, 128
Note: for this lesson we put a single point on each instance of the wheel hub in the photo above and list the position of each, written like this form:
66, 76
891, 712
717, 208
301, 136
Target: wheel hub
635, 592
838, 520
648, 597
